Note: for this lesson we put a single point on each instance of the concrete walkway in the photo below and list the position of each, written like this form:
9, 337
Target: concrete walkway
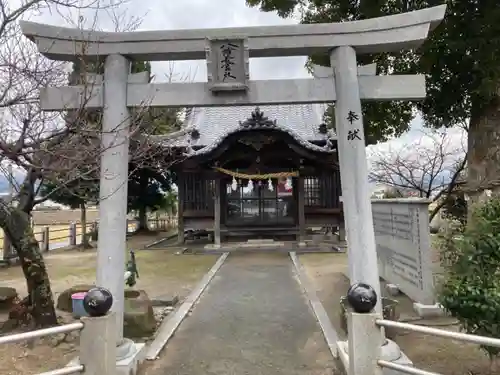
252, 319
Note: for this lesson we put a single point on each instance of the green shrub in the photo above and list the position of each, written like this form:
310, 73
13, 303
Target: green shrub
471, 286
455, 207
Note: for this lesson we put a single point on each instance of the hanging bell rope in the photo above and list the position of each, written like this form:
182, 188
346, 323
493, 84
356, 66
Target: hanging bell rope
265, 176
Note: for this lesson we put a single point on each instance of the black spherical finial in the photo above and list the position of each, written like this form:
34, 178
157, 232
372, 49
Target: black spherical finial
97, 302
362, 298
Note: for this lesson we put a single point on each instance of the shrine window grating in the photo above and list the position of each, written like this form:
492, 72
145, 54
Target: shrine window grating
323, 190
198, 192
312, 196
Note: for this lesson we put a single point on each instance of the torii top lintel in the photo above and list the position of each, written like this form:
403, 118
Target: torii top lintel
383, 34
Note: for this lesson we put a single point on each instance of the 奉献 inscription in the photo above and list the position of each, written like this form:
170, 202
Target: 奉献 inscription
353, 134
352, 116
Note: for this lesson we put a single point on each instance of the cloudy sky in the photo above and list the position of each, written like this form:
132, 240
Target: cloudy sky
194, 14
186, 14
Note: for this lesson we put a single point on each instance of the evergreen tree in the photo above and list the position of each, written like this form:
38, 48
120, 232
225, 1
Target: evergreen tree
461, 61
149, 180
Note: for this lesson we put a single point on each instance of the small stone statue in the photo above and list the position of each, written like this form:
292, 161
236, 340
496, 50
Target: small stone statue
131, 270
97, 302
362, 298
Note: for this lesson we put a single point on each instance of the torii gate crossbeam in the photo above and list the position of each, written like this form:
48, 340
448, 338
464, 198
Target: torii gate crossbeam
119, 91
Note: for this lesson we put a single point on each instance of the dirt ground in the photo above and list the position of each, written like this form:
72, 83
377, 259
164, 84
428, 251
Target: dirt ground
447, 357
162, 273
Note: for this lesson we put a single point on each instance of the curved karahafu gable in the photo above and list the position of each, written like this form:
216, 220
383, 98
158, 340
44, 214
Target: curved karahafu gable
214, 124
383, 34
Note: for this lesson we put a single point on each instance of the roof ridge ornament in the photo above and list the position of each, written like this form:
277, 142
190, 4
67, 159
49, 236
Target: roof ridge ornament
257, 120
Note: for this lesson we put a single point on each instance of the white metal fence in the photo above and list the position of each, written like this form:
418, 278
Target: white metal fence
97, 355
365, 339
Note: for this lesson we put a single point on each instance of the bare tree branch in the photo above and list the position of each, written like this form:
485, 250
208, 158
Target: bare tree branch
60, 148
429, 168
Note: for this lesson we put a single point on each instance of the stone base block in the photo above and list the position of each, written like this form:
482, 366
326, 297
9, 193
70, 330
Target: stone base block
390, 352
128, 365
393, 290
212, 246
261, 241
341, 249
428, 311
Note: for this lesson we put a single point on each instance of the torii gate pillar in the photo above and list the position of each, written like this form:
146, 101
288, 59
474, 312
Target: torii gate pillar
119, 92
363, 265
111, 242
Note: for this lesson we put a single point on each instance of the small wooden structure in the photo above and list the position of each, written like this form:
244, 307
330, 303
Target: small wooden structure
273, 170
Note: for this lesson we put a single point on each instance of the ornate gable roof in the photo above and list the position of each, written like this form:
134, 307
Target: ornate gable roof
206, 127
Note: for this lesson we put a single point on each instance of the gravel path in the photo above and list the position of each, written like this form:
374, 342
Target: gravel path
252, 319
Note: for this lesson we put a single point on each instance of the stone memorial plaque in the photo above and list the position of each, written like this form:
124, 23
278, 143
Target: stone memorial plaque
227, 64
403, 246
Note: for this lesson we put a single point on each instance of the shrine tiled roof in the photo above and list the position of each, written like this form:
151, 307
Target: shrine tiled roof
214, 124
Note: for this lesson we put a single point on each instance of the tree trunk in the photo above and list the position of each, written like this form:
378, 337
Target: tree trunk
16, 224
143, 220
83, 222
483, 144
143, 214
483, 172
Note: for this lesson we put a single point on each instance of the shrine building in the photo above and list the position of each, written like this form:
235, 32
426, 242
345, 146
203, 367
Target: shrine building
261, 172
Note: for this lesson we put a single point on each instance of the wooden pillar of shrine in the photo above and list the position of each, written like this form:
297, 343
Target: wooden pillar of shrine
301, 210
217, 211
181, 190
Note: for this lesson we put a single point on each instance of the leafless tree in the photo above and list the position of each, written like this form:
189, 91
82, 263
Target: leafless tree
430, 167
48, 146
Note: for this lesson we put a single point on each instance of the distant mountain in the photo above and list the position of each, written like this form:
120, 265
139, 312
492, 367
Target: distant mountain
441, 178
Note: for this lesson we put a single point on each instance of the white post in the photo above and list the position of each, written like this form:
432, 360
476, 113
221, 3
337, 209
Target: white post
362, 253
364, 344
111, 242
45, 239
72, 234
98, 345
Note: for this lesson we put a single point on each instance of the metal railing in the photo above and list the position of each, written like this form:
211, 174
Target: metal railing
19, 337
94, 354
366, 337
459, 336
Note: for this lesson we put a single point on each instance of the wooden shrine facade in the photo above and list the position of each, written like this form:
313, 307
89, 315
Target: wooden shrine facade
261, 179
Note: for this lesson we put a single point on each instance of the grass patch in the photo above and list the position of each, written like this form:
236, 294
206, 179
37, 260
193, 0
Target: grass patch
161, 271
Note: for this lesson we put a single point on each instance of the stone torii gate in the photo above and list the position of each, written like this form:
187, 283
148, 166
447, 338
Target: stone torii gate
227, 52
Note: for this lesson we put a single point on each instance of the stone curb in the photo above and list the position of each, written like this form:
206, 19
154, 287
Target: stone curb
168, 327
329, 332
